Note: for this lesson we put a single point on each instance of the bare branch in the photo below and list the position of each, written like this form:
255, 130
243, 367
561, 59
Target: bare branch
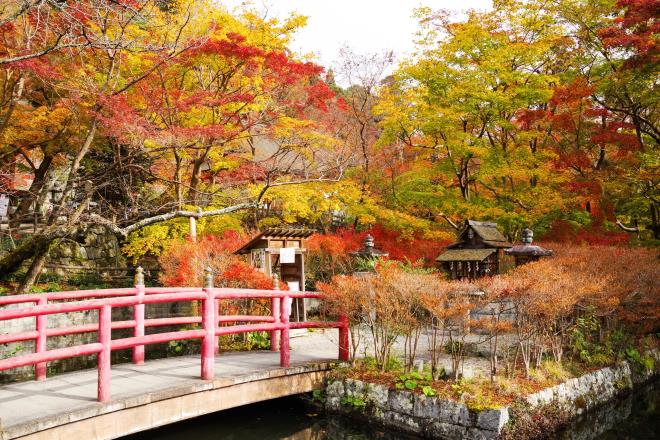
626, 228
448, 220
123, 232
25, 5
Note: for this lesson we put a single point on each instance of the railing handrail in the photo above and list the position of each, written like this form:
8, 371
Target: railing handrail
95, 304
73, 294
103, 300
126, 301
90, 293
101, 293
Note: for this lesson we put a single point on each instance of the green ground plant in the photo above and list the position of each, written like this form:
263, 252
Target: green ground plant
354, 401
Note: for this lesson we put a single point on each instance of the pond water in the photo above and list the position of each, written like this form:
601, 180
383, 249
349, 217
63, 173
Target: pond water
636, 417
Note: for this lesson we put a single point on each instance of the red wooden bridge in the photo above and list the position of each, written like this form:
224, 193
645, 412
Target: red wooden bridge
211, 325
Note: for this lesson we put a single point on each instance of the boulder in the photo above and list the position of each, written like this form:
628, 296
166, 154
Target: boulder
355, 388
480, 434
426, 407
454, 413
446, 431
401, 401
404, 422
377, 395
493, 419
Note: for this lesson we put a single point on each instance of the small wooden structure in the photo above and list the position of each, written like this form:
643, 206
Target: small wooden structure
281, 252
478, 252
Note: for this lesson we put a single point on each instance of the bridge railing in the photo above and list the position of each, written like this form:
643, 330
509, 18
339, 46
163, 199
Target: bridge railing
104, 300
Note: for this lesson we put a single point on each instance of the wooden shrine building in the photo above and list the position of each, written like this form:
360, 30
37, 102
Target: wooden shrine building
281, 252
478, 252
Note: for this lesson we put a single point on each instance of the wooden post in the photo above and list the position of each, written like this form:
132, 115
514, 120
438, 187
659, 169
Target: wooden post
105, 338
302, 284
138, 316
275, 308
40, 344
285, 354
343, 338
193, 229
216, 305
209, 324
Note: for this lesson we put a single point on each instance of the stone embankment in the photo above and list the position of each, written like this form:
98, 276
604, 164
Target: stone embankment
438, 418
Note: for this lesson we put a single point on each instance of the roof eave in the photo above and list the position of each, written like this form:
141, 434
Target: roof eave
271, 233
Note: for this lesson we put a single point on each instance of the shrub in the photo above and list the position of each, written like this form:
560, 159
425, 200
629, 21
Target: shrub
387, 302
328, 254
183, 264
585, 298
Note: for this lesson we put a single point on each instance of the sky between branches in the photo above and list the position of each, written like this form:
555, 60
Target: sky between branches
366, 26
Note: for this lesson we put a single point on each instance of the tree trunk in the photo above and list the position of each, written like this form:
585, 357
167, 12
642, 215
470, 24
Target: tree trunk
178, 189
195, 178
11, 262
35, 192
35, 269
73, 170
655, 224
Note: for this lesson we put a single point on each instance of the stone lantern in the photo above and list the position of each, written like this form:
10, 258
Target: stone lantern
526, 252
368, 255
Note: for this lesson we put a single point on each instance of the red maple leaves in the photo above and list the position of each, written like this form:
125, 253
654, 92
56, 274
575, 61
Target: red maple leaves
637, 30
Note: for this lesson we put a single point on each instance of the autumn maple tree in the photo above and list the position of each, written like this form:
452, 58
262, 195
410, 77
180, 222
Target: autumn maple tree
152, 107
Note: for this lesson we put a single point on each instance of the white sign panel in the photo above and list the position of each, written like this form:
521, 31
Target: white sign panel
287, 255
4, 205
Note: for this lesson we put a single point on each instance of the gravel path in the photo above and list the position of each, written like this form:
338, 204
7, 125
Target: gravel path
476, 364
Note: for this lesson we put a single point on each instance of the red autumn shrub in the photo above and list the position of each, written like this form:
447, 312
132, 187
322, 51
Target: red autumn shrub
240, 274
577, 300
414, 249
329, 254
183, 264
632, 286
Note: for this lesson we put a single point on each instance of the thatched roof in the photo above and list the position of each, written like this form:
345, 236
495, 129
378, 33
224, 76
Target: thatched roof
487, 231
464, 255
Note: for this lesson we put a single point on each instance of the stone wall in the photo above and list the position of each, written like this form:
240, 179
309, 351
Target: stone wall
54, 321
99, 248
586, 392
98, 256
433, 417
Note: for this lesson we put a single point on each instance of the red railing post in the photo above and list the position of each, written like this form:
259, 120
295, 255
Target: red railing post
285, 354
40, 343
275, 308
275, 334
105, 338
209, 324
217, 313
343, 338
138, 316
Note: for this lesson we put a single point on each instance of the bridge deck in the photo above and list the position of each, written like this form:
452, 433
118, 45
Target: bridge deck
32, 407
